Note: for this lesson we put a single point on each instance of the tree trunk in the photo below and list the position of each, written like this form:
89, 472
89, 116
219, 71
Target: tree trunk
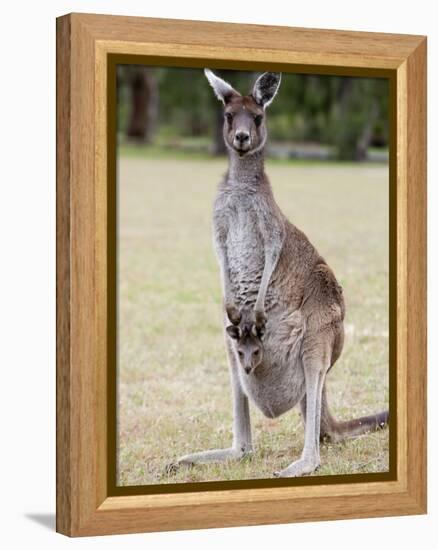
345, 132
367, 133
344, 93
144, 105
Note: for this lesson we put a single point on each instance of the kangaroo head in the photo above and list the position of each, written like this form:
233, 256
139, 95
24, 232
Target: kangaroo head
247, 336
244, 116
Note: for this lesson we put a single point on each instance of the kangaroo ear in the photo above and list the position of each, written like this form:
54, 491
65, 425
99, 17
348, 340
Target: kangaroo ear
224, 91
234, 332
265, 88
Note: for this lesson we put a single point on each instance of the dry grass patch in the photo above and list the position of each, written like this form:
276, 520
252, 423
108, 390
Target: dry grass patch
173, 387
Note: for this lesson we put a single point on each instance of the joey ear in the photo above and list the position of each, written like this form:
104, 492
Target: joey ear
224, 91
259, 331
265, 88
234, 332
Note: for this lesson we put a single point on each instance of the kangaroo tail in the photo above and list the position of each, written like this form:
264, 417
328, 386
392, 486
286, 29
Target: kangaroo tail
335, 430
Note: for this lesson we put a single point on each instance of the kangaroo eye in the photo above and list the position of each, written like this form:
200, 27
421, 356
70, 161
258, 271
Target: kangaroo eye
258, 120
256, 352
240, 354
229, 117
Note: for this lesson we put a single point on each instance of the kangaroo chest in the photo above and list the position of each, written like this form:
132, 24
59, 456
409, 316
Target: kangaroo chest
239, 224
245, 253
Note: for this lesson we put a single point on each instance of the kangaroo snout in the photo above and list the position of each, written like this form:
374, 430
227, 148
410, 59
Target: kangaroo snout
241, 136
242, 140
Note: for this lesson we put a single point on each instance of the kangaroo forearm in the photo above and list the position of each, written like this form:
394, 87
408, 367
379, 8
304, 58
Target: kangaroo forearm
226, 283
229, 301
225, 271
263, 289
271, 260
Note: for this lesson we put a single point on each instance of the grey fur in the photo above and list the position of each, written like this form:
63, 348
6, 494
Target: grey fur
247, 341
265, 88
269, 265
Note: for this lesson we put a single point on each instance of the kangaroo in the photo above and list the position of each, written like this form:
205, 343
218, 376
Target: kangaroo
247, 336
269, 265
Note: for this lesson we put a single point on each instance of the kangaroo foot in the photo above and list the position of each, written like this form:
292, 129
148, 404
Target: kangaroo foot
213, 456
299, 468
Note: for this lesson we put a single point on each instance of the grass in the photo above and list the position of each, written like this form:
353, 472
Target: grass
173, 387
198, 149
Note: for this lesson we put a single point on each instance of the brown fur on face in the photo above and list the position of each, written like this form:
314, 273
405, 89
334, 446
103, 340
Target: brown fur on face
244, 125
244, 121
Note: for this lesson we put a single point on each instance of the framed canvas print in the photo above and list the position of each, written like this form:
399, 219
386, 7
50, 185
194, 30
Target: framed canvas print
241, 274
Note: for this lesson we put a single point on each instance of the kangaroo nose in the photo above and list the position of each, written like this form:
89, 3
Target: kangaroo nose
242, 136
247, 370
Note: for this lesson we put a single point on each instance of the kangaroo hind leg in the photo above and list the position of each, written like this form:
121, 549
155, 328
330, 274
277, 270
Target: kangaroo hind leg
242, 441
328, 425
314, 371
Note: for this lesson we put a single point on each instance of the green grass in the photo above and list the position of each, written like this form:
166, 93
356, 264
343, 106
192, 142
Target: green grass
190, 149
173, 387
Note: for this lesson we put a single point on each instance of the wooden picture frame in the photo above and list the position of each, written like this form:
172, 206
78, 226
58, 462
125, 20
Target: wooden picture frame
87, 48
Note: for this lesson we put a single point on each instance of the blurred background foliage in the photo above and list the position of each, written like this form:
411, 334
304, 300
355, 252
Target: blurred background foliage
313, 116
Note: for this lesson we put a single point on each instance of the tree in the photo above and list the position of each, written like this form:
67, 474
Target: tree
143, 104
349, 113
360, 103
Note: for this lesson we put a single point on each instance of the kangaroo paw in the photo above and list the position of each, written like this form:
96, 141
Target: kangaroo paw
260, 318
171, 468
